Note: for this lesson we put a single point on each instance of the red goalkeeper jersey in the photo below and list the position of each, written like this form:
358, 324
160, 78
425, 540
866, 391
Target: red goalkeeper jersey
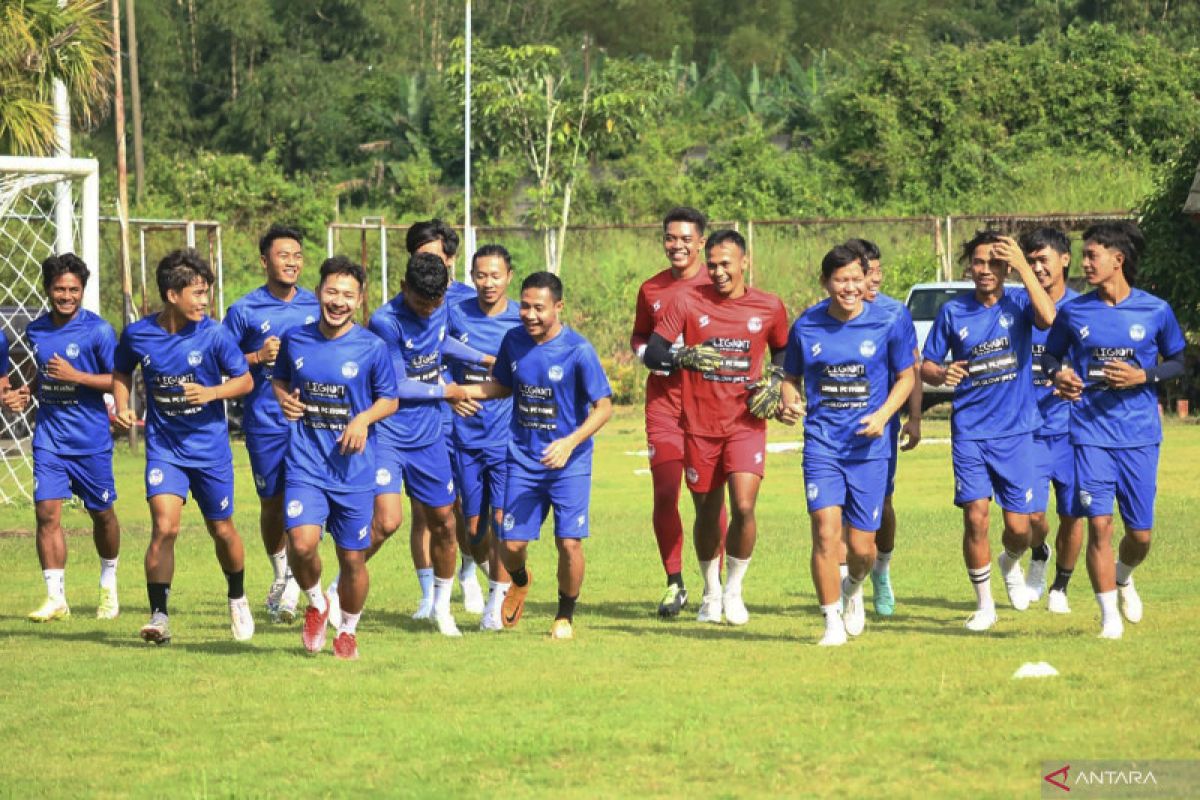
663, 390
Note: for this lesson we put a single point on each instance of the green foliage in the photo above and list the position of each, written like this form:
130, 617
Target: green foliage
1168, 268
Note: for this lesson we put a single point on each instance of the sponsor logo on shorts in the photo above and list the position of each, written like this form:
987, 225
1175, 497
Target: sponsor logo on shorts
155, 477
260, 481
350, 369
224, 503
362, 533
816, 349
1084, 332
754, 324
1137, 332
1006, 320
295, 509
383, 476
510, 522
1085, 498
266, 326
73, 349
704, 320
556, 373
691, 475
299, 362
812, 491
195, 357
867, 349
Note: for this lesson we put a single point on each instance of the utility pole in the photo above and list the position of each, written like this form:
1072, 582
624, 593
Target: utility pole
135, 94
122, 181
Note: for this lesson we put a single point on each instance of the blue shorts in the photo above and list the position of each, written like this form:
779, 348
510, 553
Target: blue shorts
426, 473
1054, 464
1127, 474
1003, 466
481, 476
90, 476
346, 515
856, 486
266, 462
529, 496
212, 486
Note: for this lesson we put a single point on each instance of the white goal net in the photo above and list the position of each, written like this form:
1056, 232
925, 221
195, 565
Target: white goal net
47, 206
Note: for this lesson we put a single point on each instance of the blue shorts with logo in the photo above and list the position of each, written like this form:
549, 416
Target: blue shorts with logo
1003, 467
212, 486
857, 486
425, 472
266, 462
1054, 465
346, 515
1128, 475
481, 476
89, 476
529, 495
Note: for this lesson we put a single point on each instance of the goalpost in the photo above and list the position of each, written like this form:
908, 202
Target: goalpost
47, 206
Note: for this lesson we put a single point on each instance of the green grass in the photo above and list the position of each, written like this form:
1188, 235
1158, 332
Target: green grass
633, 707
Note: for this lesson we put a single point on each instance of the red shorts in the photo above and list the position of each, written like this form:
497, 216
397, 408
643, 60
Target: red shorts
708, 460
664, 439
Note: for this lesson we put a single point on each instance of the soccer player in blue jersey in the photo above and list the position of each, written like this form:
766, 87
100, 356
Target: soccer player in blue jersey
993, 414
257, 322
901, 436
480, 452
561, 399
183, 355
856, 366
1048, 251
72, 447
335, 381
1114, 337
412, 448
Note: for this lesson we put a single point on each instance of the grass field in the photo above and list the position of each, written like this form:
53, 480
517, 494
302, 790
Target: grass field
917, 706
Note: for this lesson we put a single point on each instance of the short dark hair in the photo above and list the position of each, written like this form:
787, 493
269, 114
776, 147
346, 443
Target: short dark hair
341, 265
61, 264
839, 257
1123, 236
544, 280
987, 236
426, 275
865, 247
180, 269
1040, 238
685, 214
724, 236
492, 250
422, 233
278, 232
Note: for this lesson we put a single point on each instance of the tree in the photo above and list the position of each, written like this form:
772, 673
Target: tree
39, 44
1168, 267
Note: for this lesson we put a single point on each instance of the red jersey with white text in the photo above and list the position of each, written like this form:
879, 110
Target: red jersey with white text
744, 330
663, 389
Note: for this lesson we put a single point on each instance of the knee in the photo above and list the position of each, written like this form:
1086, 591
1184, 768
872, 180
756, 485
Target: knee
302, 547
385, 524
164, 532
742, 509
976, 516
47, 517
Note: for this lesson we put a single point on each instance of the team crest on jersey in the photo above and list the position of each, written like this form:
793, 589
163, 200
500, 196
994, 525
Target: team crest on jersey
657, 305
704, 320
866, 349
383, 476
155, 477
73, 349
299, 362
266, 326
350, 369
1137, 332
556, 373
510, 522
310, 319
816, 349
1006, 320
295, 509
1084, 332
1085, 498
754, 324
195, 357
691, 475
812, 491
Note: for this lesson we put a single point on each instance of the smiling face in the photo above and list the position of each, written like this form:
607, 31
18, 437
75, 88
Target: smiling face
340, 295
1049, 266
540, 313
1100, 263
283, 262
491, 275
987, 272
66, 294
683, 244
874, 279
727, 269
190, 303
847, 288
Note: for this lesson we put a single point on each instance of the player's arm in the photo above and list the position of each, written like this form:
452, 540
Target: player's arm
910, 431
122, 383
453, 348
558, 452
1044, 311
354, 437
60, 369
643, 326
937, 344
1067, 383
485, 390
875, 424
198, 394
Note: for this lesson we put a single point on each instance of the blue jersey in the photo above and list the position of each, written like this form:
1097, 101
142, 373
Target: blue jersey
415, 345
996, 397
338, 379
458, 291
848, 369
1090, 333
251, 321
72, 420
472, 327
554, 386
1055, 411
3, 355
176, 432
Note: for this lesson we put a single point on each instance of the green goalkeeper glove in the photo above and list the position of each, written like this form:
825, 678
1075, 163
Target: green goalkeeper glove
698, 358
765, 395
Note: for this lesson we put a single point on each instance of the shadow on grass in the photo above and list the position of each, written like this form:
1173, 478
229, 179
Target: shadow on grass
125, 640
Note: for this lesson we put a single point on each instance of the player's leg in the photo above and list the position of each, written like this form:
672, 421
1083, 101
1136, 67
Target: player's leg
1096, 475
826, 523
527, 501
884, 597
167, 487
91, 479
706, 482
570, 581
472, 545
1011, 465
571, 498
973, 493
349, 526
1044, 451
743, 534
420, 550
1137, 486
865, 483
304, 558
443, 552
664, 445
213, 490
266, 464
1069, 538
52, 555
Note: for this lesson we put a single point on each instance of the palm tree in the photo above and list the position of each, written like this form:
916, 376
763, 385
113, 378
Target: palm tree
39, 44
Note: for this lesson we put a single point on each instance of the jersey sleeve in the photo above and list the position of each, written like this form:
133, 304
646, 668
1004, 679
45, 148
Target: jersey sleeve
1169, 338
900, 347
3, 355
283, 361
777, 334
502, 369
671, 323
643, 322
231, 359
235, 324
105, 345
793, 360
386, 329
907, 330
937, 344
1058, 340
592, 380
125, 359
383, 374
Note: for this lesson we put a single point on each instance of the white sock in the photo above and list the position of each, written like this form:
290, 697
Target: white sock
1108, 606
108, 573
853, 583
279, 564
1124, 573
56, 583
735, 571
316, 598
981, 579
425, 578
843, 570
333, 587
832, 612
501, 589
882, 562
467, 570
1013, 558
485, 567
349, 623
711, 570
441, 595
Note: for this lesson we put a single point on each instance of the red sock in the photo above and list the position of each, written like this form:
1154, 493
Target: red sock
668, 527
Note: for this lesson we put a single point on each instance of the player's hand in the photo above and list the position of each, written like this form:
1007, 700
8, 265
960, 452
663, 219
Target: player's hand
292, 406
555, 454
1008, 250
955, 373
791, 406
1068, 385
60, 369
1123, 375
698, 358
354, 438
16, 400
873, 425
488, 361
466, 407
197, 395
124, 420
910, 433
269, 351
